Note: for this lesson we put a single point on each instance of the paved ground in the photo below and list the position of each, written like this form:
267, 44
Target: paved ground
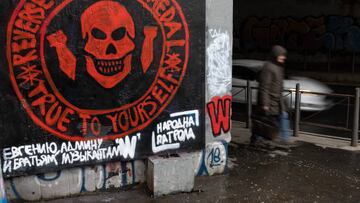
307, 173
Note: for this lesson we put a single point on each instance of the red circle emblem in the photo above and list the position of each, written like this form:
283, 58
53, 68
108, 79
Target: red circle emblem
112, 43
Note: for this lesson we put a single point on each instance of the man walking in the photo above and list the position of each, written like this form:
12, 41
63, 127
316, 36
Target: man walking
270, 102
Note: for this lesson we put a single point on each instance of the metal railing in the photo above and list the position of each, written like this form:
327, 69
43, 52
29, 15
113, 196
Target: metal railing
296, 107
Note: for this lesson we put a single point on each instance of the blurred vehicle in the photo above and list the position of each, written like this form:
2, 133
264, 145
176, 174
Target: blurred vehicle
244, 70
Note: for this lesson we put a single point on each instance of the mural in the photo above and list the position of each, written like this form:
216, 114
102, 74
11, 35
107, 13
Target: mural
311, 34
70, 61
97, 81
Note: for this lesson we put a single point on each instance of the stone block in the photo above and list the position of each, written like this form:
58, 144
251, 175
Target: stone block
168, 175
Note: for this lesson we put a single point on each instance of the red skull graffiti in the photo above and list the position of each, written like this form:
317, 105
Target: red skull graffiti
109, 30
108, 33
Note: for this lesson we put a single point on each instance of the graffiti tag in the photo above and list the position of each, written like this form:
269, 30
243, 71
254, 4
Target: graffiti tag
52, 154
219, 57
169, 134
219, 110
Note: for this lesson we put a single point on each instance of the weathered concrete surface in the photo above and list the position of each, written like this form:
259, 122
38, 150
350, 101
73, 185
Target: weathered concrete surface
167, 175
307, 173
75, 181
2, 188
218, 62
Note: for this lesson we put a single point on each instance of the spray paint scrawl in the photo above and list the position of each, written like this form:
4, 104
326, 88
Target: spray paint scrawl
171, 133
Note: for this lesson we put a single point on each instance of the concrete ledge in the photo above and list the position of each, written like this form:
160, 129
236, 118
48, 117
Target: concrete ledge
326, 142
168, 175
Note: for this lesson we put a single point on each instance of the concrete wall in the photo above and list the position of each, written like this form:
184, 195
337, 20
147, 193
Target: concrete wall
210, 161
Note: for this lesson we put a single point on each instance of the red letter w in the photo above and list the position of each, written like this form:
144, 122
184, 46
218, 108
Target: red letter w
219, 110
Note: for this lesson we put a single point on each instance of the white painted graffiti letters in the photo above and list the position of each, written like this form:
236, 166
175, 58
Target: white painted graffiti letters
169, 134
51, 154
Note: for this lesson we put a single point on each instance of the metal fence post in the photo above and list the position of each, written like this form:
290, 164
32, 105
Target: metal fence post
297, 110
355, 133
249, 103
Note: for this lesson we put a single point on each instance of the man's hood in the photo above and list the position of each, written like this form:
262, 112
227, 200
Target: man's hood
278, 51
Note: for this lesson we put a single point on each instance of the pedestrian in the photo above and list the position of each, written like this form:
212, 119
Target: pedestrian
270, 118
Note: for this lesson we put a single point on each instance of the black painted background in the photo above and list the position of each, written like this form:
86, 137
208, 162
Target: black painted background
16, 127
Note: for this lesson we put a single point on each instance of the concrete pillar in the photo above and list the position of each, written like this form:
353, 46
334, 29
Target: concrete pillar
219, 28
2, 187
219, 40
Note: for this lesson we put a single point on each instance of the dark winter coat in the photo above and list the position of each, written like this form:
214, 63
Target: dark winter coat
271, 84
270, 88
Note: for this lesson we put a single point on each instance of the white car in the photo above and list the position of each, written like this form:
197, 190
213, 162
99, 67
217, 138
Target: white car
313, 93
